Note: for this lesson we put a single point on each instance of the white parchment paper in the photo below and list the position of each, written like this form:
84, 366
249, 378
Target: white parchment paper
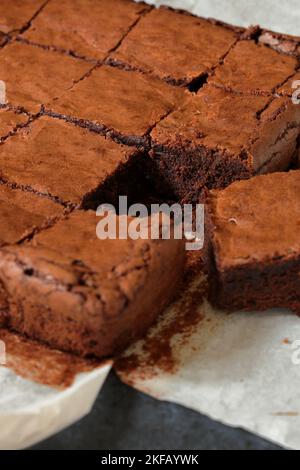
30, 412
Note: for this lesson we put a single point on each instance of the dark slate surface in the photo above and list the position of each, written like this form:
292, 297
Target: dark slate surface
123, 419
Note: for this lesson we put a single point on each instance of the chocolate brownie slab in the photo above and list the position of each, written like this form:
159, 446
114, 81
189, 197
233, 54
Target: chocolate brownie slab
85, 27
64, 162
253, 243
254, 68
23, 213
124, 105
175, 46
17, 14
34, 76
10, 122
100, 294
218, 137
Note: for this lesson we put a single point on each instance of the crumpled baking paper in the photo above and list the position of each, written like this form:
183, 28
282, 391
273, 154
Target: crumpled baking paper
240, 369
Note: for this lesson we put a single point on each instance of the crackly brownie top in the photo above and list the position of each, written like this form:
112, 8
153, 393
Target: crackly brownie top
129, 103
105, 274
254, 129
87, 27
9, 121
256, 220
175, 46
214, 119
34, 76
251, 67
16, 14
58, 159
21, 213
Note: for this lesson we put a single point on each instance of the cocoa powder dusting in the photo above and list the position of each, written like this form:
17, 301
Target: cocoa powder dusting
37, 362
155, 353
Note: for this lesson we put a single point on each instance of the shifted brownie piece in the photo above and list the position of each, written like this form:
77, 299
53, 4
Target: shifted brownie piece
174, 45
34, 76
218, 137
65, 162
101, 294
253, 243
23, 213
84, 27
10, 121
124, 105
253, 68
16, 14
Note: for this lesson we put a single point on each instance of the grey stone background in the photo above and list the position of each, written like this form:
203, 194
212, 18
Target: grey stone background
123, 419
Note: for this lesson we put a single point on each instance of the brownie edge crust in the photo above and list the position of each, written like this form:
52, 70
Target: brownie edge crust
92, 298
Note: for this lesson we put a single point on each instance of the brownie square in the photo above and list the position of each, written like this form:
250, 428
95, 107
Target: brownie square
59, 160
84, 27
253, 68
10, 122
17, 14
34, 76
23, 213
253, 245
100, 294
124, 105
218, 137
174, 45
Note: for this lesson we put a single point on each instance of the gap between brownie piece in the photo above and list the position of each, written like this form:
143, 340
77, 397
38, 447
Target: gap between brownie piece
252, 243
218, 137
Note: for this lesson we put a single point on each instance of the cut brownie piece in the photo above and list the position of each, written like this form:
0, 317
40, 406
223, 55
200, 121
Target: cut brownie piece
64, 162
17, 14
219, 137
84, 27
124, 105
174, 46
34, 76
253, 245
253, 68
24, 213
101, 294
10, 122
